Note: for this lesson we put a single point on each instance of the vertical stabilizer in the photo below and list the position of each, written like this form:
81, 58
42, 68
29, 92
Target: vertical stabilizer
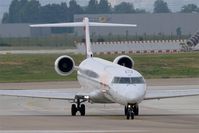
89, 52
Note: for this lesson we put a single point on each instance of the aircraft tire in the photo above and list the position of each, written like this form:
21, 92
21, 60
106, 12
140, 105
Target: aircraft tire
132, 115
125, 110
73, 110
136, 110
82, 110
128, 115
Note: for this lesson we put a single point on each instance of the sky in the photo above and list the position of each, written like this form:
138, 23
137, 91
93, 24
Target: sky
174, 5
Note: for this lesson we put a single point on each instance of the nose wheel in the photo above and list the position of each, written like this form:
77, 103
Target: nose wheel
130, 114
78, 107
131, 110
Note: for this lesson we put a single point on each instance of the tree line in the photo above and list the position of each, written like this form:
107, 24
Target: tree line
31, 11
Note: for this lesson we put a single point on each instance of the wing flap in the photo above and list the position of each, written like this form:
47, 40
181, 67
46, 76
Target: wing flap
162, 94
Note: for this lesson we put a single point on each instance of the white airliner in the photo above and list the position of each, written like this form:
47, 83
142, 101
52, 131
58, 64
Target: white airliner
111, 82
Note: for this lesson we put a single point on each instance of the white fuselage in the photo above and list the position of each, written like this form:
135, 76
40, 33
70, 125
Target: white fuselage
111, 83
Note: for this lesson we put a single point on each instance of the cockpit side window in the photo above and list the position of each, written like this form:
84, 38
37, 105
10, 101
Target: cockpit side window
116, 80
137, 80
89, 73
128, 80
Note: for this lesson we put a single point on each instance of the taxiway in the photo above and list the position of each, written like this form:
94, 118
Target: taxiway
41, 115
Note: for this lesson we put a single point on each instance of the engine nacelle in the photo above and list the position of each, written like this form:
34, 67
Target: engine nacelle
64, 65
124, 60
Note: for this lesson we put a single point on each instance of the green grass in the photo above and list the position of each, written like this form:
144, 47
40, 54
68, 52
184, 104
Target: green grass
169, 66
31, 68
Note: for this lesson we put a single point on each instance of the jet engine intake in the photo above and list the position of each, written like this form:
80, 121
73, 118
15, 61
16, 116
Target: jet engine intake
64, 65
125, 61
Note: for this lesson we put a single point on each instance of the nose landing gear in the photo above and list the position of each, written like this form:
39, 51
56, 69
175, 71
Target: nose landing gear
78, 107
131, 110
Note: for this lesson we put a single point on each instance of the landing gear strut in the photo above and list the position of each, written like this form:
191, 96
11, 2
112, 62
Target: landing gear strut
131, 110
78, 107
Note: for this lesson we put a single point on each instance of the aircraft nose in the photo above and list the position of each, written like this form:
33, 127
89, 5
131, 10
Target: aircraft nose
130, 94
125, 94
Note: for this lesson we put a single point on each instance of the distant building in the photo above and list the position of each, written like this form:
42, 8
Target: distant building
148, 24
22, 30
40, 32
14, 30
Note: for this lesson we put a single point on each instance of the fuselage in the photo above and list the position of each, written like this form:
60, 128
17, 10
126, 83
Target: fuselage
111, 83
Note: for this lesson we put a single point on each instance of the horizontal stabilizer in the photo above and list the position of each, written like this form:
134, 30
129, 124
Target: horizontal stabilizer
75, 24
111, 24
82, 24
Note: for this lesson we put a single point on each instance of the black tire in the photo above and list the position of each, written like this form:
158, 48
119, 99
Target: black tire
132, 115
136, 110
82, 110
73, 110
128, 115
125, 110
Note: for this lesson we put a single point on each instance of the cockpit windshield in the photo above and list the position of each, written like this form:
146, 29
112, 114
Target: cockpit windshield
128, 80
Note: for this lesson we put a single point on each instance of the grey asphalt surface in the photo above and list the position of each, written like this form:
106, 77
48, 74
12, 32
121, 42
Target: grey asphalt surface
40, 115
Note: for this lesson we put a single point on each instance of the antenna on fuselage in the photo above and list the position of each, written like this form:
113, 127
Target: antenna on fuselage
86, 24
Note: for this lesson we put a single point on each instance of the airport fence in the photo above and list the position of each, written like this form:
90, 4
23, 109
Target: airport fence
137, 47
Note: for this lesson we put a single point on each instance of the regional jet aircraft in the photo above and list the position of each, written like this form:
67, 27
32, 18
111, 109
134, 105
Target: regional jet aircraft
111, 82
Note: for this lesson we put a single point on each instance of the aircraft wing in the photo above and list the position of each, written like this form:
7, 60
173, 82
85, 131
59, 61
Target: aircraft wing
45, 94
63, 95
162, 94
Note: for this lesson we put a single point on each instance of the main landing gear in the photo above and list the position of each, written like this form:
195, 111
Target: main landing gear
131, 110
78, 107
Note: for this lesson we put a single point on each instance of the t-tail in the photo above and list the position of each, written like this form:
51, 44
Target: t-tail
86, 24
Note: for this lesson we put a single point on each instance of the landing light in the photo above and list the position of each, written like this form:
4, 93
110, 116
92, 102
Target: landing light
86, 97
